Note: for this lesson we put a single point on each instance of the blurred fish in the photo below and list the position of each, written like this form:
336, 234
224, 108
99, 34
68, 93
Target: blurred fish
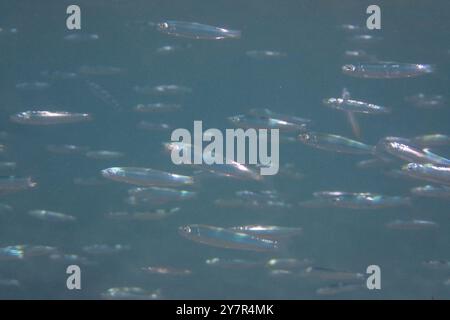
442, 192
146, 177
437, 264
257, 122
164, 89
414, 224
405, 150
288, 263
361, 200
233, 263
431, 140
225, 238
387, 70
51, 216
67, 149
157, 195
171, 49
81, 37
49, 117
338, 288
153, 126
14, 184
426, 101
105, 249
157, 107
269, 232
265, 54
332, 274
150, 215
33, 86
25, 251
104, 154
331, 142
100, 70
194, 30
7, 166
166, 271
428, 172
59, 75
130, 293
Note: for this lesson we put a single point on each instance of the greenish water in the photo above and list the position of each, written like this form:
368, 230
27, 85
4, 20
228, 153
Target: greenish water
225, 82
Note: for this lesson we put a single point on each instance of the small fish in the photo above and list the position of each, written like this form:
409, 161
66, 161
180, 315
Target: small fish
355, 106
81, 37
432, 140
171, 49
387, 70
413, 224
338, 288
233, 263
100, 70
194, 30
257, 122
426, 101
157, 107
288, 263
437, 264
104, 154
33, 86
164, 89
14, 184
404, 149
105, 249
269, 232
7, 166
150, 215
66, 149
153, 126
59, 75
357, 200
442, 192
428, 172
265, 54
49, 117
226, 238
146, 177
130, 293
166, 271
158, 195
331, 142
332, 274
51, 216
24, 251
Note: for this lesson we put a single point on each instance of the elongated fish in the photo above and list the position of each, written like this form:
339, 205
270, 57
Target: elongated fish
49, 117
331, 142
386, 70
428, 172
226, 238
194, 30
146, 177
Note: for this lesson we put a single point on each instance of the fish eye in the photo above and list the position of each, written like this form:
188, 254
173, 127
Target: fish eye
163, 25
348, 68
186, 229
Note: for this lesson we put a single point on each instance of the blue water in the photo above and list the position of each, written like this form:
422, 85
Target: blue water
225, 82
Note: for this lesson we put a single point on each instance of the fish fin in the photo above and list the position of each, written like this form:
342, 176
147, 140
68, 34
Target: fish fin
354, 124
345, 94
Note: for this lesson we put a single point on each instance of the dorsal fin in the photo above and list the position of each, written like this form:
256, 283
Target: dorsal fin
345, 94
